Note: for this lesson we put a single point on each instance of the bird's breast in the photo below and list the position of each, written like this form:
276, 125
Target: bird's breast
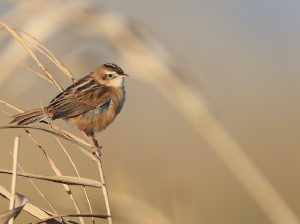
100, 117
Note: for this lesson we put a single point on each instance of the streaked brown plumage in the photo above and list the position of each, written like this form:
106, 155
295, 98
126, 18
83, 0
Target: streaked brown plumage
91, 103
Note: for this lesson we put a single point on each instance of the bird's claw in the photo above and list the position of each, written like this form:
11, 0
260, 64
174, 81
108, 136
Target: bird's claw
97, 151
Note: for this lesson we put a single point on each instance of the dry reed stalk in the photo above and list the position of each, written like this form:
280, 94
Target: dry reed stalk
58, 179
74, 215
82, 149
38, 190
75, 168
56, 170
14, 176
22, 42
58, 173
98, 161
49, 55
62, 132
105, 192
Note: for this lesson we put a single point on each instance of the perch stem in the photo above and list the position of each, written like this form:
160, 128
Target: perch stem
14, 177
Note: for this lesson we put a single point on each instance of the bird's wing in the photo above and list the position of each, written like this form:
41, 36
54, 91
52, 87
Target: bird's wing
84, 95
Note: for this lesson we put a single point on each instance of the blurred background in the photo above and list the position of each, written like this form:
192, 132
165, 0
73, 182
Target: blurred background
234, 64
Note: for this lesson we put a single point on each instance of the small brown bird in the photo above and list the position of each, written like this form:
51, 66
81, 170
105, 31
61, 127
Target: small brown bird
91, 103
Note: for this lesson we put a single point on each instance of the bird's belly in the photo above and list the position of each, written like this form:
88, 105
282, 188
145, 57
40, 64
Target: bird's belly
93, 120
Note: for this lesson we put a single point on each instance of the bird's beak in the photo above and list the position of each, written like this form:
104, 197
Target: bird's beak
124, 75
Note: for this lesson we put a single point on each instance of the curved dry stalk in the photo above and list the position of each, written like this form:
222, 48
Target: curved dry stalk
74, 215
82, 149
49, 55
76, 170
63, 132
58, 173
12, 48
98, 161
58, 179
53, 166
20, 39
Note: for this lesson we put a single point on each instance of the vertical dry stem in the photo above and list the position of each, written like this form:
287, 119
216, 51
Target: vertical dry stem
14, 177
105, 192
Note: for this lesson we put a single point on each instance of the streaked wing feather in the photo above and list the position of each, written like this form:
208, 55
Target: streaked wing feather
84, 95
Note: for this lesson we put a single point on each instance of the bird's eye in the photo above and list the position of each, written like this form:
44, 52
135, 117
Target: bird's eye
110, 75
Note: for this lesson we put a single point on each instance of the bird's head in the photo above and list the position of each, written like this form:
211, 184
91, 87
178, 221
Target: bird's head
110, 75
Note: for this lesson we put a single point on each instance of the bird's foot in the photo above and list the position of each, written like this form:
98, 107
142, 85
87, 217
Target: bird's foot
96, 150
94, 143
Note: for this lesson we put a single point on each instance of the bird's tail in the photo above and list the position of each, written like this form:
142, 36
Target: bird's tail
30, 117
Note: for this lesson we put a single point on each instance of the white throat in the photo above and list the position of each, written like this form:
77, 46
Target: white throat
118, 82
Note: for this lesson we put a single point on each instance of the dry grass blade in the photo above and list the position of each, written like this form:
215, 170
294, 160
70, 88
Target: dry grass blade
49, 55
53, 166
37, 128
20, 202
75, 215
20, 39
59, 179
11, 106
58, 173
82, 149
6, 216
75, 168
23, 64
56, 170
64, 133
38, 190
31, 209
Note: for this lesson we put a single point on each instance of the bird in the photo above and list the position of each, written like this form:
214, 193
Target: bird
90, 104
